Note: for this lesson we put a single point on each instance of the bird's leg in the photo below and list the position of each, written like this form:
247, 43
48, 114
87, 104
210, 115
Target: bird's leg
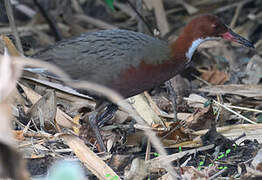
93, 123
107, 114
96, 120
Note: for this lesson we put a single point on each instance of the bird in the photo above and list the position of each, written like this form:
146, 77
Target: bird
131, 62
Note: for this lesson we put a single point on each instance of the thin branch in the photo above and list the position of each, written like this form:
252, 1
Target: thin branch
234, 112
11, 20
51, 22
141, 17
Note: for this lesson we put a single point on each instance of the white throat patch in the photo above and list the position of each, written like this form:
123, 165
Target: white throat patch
195, 44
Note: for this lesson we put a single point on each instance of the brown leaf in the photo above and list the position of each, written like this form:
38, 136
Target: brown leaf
44, 109
215, 76
10, 46
176, 132
201, 119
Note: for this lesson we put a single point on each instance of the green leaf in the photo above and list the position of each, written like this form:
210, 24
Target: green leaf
110, 4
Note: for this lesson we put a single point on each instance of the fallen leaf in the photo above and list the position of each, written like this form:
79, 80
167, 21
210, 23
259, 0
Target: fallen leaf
10, 46
201, 119
214, 76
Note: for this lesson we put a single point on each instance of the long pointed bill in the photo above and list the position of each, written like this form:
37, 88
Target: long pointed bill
232, 36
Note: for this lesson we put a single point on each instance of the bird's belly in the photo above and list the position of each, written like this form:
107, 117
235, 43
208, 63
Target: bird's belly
135, 80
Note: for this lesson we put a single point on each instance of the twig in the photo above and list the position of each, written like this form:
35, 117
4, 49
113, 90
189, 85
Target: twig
93, 124
125, 9
148, 150
10, 16
51, 21
234, 112
202, 80
236, 15
161, 18
217, 174
25, 29
76, 6
140, 23
173, 98
141, 17
239, 137
244, 108
229, 7
23, 8
95, 22
190, 9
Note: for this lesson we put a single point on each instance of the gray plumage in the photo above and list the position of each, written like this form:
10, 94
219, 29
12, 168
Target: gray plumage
101, 56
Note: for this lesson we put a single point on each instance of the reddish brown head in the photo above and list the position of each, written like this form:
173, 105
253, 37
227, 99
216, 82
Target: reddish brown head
201, 29
210, 26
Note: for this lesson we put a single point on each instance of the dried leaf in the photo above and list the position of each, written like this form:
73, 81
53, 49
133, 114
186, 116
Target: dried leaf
143, 108
175, 133
10, 46
201, 119
44, 110
215, 76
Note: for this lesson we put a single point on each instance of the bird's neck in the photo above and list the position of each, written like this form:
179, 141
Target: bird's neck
184, 47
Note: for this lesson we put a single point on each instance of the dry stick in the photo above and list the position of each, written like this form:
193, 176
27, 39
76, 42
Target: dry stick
108, 93
141, 17
239, 137
140, 23
25, 29
217, 174
236, 15
202, 80
11, 20
230, 110
234, 112
244, 108
51, 21
28, 11
76, 6
92, 121
125, 9
230, 6
96, 22
148, 150
190, 9
161, 18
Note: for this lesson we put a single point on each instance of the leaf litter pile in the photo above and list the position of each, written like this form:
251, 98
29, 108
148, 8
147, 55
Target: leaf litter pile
202, 124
